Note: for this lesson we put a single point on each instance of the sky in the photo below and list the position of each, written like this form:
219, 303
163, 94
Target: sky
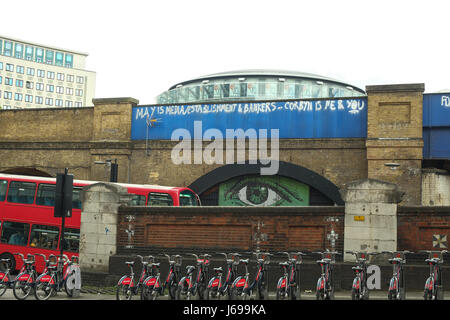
141, 48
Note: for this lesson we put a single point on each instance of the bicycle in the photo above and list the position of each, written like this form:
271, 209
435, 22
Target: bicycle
325, 283
241, 289
360, 291
288, 286
397, 284
173, 275
24, 283
127, 287
54, 279
189, 288
216, 289
6, 280
433, 285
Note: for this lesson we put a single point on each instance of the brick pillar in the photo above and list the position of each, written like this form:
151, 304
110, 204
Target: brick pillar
111, 137
98, 230
370, 222
395, 135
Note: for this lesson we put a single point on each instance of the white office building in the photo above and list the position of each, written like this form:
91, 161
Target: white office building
39, 76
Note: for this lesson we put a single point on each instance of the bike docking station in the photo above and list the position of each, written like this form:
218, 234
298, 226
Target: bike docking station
63, 209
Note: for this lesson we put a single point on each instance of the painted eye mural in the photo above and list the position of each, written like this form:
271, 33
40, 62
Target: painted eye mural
263, 191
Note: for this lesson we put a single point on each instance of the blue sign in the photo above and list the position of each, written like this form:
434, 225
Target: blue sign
436, 126
333, 118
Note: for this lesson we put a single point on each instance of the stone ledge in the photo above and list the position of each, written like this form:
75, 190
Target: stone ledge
393, 88
122, 100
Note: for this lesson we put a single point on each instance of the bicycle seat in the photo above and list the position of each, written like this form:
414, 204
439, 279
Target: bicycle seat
130, 263
156, 265
284, 264
219, 269
395, 260
244, 261
357, 268
5, 260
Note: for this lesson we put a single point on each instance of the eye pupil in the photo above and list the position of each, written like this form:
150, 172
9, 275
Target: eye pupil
257, 194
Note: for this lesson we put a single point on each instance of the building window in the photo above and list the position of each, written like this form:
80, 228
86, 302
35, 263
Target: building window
79, 92
69, 91
49, 101
50, 88
1, 79
60, 89
29, 85
70, 77
80, 80
39, 55
29, 53
49, 56
28, 98
20, 69
10, 67
39, 100
58, 102
69, 61
77, 104
1, 65
40, 86
60, 76
30, 71
18, 96
7, 50
41, 73
59, 59
7, 95
50, 75
18, 52
19, 83
8, 81
69, 104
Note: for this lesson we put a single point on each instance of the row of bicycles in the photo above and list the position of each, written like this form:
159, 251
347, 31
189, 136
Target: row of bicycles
227, 283
58, 275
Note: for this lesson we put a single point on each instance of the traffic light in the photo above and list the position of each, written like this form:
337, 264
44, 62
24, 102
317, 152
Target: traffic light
63, 195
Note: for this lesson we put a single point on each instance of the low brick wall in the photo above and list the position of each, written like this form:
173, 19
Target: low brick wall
228, 228
416, 226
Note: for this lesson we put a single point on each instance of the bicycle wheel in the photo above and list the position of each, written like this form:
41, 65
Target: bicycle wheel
212, 293
44, 290
124, 292
172, 289
182, 293
427, 295
3, 287
281, 294
23, 286
69, 286
320, 295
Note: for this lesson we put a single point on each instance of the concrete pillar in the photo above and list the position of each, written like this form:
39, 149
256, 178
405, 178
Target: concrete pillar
98, 230
370, 216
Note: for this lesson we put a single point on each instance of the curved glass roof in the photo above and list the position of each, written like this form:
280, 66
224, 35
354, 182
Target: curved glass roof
257, 84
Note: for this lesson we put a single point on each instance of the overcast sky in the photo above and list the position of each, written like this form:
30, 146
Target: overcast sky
140, 48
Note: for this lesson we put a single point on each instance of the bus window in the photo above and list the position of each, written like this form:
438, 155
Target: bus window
46, 195
45, 237
187, 198
159, 199
76, 201
21, 192
137, 200
15, 233
71, 239
3, 187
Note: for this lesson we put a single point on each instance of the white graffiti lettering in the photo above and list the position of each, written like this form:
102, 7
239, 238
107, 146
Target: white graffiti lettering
445, 101
353, 106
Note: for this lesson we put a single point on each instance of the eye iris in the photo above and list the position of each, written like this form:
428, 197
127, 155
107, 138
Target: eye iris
257, 194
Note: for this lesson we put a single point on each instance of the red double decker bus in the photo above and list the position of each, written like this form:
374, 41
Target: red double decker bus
28, 225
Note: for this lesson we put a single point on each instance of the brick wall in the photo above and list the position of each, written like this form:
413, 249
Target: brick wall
416, 226
228, 228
